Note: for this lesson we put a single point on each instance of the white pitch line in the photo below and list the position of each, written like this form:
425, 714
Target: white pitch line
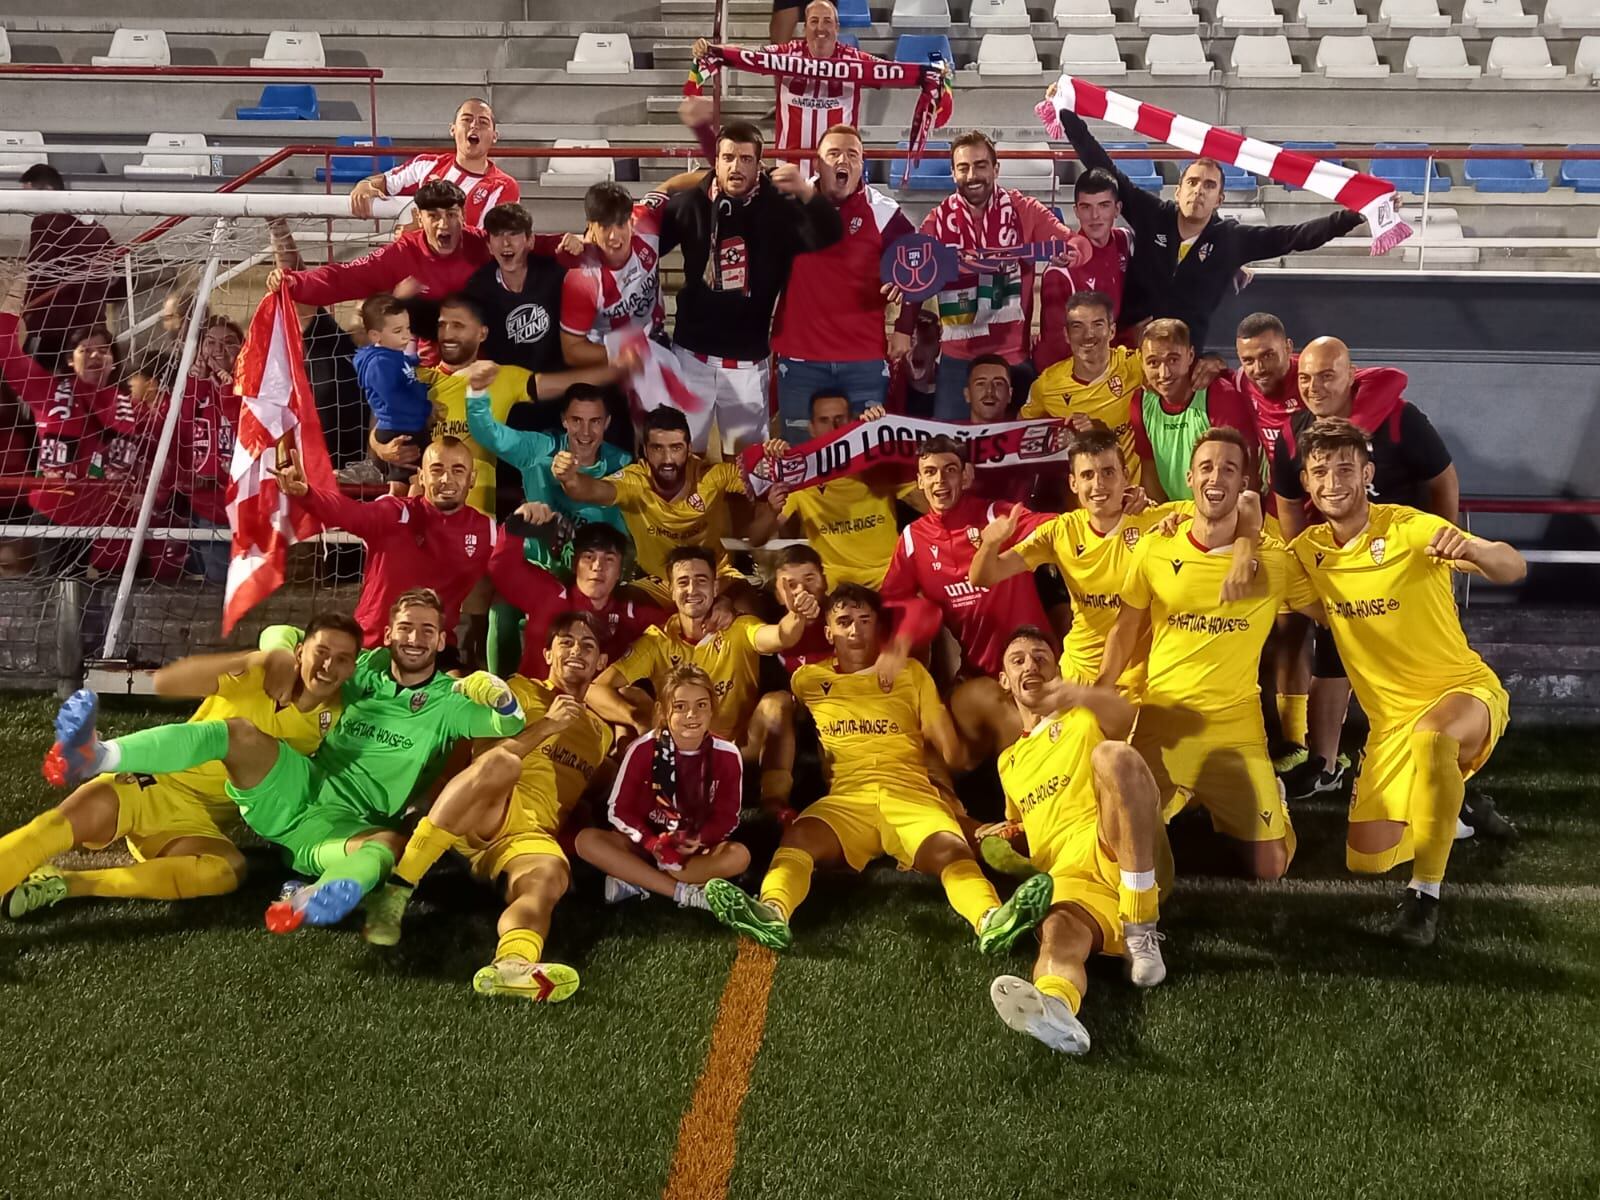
1533, 893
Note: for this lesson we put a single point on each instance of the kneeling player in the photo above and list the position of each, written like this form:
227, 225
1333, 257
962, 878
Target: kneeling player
1088, 805
880, 799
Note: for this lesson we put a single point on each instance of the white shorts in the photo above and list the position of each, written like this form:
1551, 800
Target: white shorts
736, 394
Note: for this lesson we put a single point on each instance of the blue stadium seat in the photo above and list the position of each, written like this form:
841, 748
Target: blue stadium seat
353, 168
849, 39
1238, 182
283, 102
1058, 213
1142, 171
922, 47
932, 174
1504, 174
1310, 148
1582, 175
1407, 174
854, 14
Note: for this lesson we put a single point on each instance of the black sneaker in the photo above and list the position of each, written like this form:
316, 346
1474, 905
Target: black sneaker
1310, 779
1478, 812
1416, 921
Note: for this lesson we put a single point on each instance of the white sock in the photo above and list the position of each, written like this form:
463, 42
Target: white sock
1138, 881
1427, 889
107, 757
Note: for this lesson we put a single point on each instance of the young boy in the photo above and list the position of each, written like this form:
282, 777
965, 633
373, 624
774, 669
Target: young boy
387, 368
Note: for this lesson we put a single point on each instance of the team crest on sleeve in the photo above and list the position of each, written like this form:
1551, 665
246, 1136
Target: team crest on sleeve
418, 699
1130, 538
1378, 546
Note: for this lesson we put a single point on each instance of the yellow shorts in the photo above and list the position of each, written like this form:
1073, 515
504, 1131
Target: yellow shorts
873, 821
521, 832
1086, 873
1220, 764
152, 812
1383, 789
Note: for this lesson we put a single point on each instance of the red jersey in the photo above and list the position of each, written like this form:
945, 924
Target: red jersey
703, 804
934, 557
483, 192
1104, 273
836, 294
408, 256
808, 108
410, 543
203, 451
596, 298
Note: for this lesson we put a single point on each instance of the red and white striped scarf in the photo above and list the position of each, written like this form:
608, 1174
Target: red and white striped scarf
1373, 198
978, 299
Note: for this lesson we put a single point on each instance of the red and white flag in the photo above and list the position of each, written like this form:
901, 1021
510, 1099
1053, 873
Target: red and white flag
655, 382
277, 412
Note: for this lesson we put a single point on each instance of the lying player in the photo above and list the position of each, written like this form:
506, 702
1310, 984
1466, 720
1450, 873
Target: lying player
1088, 805
1378, 576
175, 825
880, 800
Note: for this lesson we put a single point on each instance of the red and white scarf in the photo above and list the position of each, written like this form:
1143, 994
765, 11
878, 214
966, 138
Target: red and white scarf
977, 300
1373, 198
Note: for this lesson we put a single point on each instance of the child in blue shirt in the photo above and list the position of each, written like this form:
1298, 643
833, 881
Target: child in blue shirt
387, 369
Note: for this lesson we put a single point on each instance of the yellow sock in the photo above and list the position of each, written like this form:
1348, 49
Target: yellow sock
970, 892
182, 877
1376, 863
427, 845
1292, 717
1138, 906
520, 943
23, 851
788, 880
1061, 988
1437, 791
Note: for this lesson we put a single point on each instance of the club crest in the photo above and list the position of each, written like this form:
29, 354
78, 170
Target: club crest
1130, 538
324, 720
1204, 252
418, 699
696, 503
1378, 547
1055, 731
470, 544
1114, 385
855, 225
974, 535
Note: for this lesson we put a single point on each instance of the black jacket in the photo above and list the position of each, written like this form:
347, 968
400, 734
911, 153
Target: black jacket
757, 240
1158, 285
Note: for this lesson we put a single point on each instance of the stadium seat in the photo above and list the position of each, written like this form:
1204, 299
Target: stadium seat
1238, 182
849, 39
1412, 14
291, 48
1581, 174
1505, 174
1247, 215
602, 54
1314, 148
1408, 174
1248, 14
284, 102
1523, 58
17, 153
1573, 14
1441, 227
1587, 61
920, 14
1350, 58
1439, 58
352, 168
1165, 14
163, 166
921, 47
1176, 54
136, 48
1092, 54
1008, 54
1497, 14
5, 45
1323, 16
1141, 172
1084, 14
999, 14
578, 172
854, 14
1264, 56
931, 174
1029, 174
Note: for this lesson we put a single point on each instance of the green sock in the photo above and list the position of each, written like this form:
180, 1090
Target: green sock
167, 748
368, 864
505, 638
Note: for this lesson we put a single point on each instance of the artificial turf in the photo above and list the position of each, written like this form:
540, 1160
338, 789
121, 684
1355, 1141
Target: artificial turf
179, 1050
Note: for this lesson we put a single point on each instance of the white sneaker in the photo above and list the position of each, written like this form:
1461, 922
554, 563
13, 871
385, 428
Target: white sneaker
1026, 1009
619, 891
1145, 965
690, 895
1463, 830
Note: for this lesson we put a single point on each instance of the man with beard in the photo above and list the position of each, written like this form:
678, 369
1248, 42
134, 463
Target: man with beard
1173, 410
483, 185
1200, 725
1097, 206
1268, 375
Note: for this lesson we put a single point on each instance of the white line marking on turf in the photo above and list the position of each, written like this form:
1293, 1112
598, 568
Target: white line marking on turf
1533, 893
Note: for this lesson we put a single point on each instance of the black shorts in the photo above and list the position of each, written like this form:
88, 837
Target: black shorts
1325, 660
395, 472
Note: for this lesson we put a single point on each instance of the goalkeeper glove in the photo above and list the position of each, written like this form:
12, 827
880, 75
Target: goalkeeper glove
490, 691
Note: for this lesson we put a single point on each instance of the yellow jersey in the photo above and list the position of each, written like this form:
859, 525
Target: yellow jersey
555, 776
870, 738
729, 657
1392, 612
1109, 398
1204, 655
851, 526
448, 391
698, 516
1049, 782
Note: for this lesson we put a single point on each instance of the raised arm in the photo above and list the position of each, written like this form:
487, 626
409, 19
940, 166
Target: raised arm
1272, 241
991, 563
585, 489
196, 676
1139, 207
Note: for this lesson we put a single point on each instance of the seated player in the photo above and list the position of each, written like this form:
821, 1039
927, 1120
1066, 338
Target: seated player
176, 824
880, 800
1088, 805
674, 804
763, 729
1378, 576
506, 811
1200, 726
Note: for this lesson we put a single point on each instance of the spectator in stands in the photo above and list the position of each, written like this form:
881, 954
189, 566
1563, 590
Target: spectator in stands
202, 454
829, 328
520, 293
1172, 411
387, 367
615, 284
1097, 207
72, 271
483, 185
992, 313
1186, 256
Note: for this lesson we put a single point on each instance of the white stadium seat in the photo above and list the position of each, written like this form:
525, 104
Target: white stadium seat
1573, 14
1084, 14
1029, 174
1008, 54
920, 14
291, 48
1350, 58
999, 14
602, 54
1439, 58
1588, 59
17, 151
166, 166
1497, 14
5, 45
1323, 16
1264, 57
1092, 54
1523, 58
136, 48
1246, 215
578, 172
1248, 14
1165, 14
1413, 14
1442, 227
1176, 54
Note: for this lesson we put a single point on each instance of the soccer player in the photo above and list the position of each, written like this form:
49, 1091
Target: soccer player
1200, 725
519, 293
1097, 206
880, 800
1088, 806
1268, 375
176, 824
988, 395
483, 185
1379, 577
1172, 411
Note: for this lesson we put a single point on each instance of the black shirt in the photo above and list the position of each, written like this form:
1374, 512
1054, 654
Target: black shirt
525, 326
1407, 452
